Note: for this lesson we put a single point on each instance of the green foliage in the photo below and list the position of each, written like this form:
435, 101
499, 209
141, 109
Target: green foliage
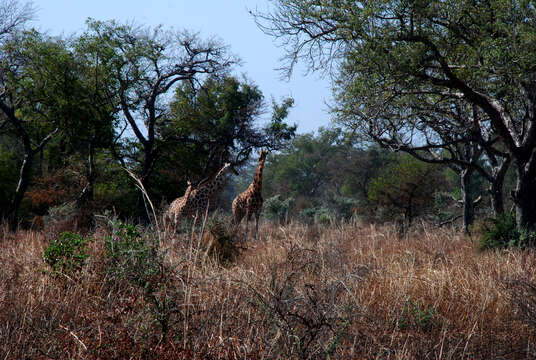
67, 253
324, 170
407, 186
416, 316
301, 170
277, 209
135, 257
344, 207
308, 215
132, 256
322, 216
214, 124
502, 232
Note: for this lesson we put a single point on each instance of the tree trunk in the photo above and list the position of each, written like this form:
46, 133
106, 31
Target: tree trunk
88, 191
24, 180
525, 196
497, 186
497, 197
147, 166
467, 197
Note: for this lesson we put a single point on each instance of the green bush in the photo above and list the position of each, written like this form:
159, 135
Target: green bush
308, 215
499, 233
344, 206
131, 256
417, 317
67, 253
134, 257
502, 232
323, 217
276, 209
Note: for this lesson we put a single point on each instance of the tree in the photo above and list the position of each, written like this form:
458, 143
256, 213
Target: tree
14, 17
482, 53
145, 66
408, 186
302, 170
435, 129
35, 72
218, 123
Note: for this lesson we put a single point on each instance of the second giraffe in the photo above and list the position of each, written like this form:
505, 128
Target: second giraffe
250, 201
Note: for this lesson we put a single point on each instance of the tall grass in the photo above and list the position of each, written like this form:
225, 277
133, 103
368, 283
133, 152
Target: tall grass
300, 292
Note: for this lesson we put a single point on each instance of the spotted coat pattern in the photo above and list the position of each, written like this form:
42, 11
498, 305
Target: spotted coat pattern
196, 199
249, 202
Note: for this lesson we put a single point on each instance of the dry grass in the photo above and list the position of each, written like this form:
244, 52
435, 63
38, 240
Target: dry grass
303, 292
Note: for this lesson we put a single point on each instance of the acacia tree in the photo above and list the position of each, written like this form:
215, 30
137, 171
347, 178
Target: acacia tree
483, 53
218, 122
14, 17
36, 75
207, 126
145, 64
408, 186
434, 128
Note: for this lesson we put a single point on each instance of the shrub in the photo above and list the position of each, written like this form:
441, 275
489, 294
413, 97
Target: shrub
135, 258
67, 253
130, 256
276, 209
320, 216
323, 217
502, 232
417, 317
308, 215
218, 240
64, 213
344, 206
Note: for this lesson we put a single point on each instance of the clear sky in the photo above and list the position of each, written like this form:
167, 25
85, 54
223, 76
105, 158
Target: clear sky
227, 20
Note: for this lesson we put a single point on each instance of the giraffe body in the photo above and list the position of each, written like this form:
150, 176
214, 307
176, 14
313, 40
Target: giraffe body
249, 202
196, 200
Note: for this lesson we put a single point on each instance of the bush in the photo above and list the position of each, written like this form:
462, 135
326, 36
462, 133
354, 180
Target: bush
67, 253
308, 215
218, 240
320, 216
502, 232
499, 232
135, 258
417, 317
276, 209
130, 256
344, 206
323, 217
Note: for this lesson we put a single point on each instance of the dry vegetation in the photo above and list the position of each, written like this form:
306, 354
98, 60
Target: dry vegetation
305, 292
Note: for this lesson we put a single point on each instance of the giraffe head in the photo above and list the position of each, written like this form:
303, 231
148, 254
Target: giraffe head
228, 167
262, 154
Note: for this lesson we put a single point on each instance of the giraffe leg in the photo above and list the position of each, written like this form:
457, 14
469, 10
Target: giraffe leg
174, 223
256, 225
247, 223
195, 221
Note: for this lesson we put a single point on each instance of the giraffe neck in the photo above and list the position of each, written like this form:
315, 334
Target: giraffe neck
216, 183
257, 180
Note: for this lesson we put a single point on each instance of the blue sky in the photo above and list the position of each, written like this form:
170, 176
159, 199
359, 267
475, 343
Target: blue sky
227, 20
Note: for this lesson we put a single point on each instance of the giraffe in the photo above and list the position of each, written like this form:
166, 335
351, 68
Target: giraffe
196, 198
250, 201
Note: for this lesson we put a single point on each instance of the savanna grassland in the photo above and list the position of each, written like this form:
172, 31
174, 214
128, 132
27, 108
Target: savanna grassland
352, 291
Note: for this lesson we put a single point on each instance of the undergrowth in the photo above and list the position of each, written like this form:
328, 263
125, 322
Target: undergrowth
301, 292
